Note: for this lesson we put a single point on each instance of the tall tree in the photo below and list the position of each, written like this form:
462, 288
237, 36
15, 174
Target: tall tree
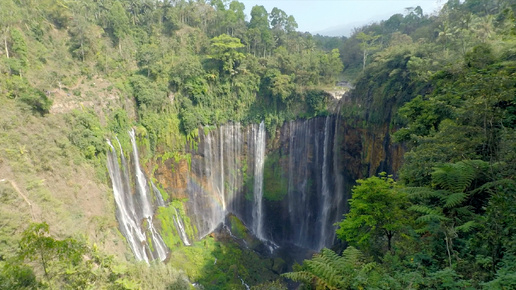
8, 11
119, 23
368, 44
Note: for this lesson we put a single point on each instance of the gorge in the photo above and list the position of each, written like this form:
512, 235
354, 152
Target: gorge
288, 189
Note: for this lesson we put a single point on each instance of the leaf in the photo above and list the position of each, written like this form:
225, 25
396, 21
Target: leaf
455, 177
422, 192
425, 210
467, 227
431, 217
454, 199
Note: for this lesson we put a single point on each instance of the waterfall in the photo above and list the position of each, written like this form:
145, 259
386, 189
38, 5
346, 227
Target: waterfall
226, 176
135, 209
157, 241
229, 158
181, 228
157, 194
142, 190
205, 187
125, 214
258, 181
314, 196
325, 205
222, 184
338, 196
298, 178
141, 182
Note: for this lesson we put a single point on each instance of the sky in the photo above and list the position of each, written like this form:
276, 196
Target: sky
339, 17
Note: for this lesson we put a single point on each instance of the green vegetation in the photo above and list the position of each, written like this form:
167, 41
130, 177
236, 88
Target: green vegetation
446, 85
42, 261
74, 73
222, 264
167, 217
376, 214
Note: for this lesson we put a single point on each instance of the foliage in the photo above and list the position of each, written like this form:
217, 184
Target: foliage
222, 265
168, 217
87, 133
43, 261
447, 80
377, 210
327, 270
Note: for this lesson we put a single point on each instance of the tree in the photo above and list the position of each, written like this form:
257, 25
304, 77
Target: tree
39, 247
7, 17
119, 23
224, 49
377, 210
235, 17
259, 29
367, 44
278, 19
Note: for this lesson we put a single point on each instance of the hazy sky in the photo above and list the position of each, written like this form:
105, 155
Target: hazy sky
327, 15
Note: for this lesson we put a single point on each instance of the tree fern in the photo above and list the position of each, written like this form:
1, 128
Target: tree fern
425, 210
467, 227
422, 192
451, 210
455, 177
327, 270
454, 199
490, 186
352, 256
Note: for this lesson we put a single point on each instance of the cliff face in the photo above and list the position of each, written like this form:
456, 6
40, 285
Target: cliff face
307, 172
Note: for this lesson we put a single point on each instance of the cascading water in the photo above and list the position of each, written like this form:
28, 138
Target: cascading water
181, 228
228, 159
145, 206
258, 182
314, 184
325, 205
157, 194
135, 209
205, 187
226, 175
124, 213
142, 190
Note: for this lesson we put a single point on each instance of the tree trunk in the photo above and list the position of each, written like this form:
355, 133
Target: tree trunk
447, 240
5, 44
389, 241
364, 59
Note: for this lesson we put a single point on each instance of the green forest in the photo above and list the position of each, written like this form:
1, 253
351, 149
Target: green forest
73, 73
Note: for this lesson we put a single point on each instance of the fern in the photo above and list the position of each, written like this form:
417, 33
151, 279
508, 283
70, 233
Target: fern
431, 217
352, 257
327, 270
454, 177
467, 227
425, 210
454, 199
490, 186
422, 192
